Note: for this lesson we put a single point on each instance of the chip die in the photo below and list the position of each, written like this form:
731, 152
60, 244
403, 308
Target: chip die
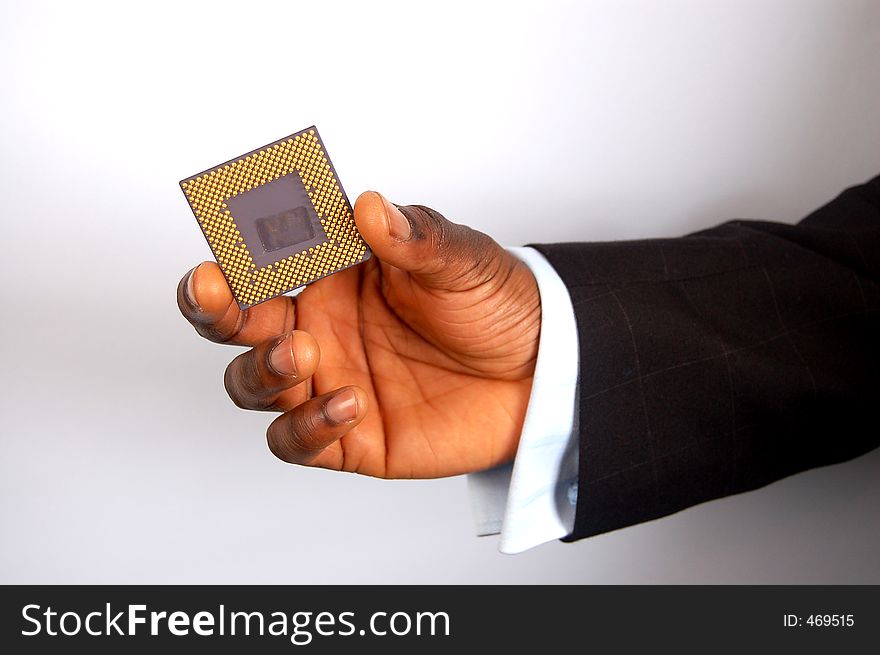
276, 218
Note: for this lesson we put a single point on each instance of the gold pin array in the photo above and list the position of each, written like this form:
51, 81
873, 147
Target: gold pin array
303, 154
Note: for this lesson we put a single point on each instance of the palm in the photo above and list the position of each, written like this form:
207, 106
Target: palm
445, 386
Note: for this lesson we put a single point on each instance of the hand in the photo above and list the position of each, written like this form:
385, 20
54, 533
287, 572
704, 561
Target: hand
416, 364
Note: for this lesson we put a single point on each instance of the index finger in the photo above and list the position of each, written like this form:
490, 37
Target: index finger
206, 301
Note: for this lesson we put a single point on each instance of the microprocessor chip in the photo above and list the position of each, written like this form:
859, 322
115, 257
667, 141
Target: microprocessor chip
276, 218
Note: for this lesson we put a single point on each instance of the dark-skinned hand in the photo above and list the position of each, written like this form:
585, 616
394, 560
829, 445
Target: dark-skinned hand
415, 364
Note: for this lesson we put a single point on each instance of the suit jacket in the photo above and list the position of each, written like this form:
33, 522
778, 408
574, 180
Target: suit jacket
721, 361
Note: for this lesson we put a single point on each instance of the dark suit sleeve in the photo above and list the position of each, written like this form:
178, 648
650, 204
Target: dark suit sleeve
719, 362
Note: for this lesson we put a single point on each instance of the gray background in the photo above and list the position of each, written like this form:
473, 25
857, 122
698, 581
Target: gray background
121, 459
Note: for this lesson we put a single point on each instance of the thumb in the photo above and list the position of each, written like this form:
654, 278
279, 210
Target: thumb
437, 252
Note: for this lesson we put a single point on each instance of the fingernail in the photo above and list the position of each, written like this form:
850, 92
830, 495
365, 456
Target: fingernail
342, 407
281, 358
398, 224
189, 288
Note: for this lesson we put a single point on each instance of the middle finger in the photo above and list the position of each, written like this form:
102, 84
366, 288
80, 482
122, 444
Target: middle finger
270, 375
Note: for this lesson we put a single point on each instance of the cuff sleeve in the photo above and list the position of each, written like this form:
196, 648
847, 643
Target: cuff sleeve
532, 500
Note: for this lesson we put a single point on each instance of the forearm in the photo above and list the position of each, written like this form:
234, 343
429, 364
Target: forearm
722, 361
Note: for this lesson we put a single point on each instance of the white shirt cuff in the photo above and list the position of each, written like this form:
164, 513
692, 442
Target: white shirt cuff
533, 500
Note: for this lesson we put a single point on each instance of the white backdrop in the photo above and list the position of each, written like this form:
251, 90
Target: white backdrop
122, 460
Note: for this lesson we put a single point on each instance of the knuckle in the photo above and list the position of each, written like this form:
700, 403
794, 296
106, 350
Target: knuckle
242, 382
304, 426
218, 333
189, 311
276, 444
456, 244
233, 389
290, 438
431, 225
